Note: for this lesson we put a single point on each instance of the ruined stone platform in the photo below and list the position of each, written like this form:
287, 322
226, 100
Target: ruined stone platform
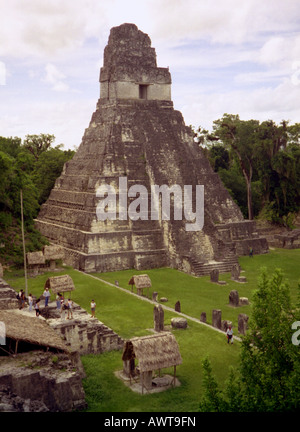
83, 333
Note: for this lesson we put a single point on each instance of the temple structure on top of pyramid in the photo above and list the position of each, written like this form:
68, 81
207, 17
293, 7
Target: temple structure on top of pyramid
136, 134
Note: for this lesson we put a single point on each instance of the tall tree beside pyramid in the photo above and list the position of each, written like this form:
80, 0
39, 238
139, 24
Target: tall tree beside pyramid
136, 135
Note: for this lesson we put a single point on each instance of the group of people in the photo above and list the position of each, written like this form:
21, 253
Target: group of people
31, 303
63, 305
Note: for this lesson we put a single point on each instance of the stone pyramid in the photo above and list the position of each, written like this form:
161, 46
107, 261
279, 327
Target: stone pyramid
136, 134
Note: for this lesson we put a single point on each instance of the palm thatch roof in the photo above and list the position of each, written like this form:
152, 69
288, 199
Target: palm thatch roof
34, 258
153, 352
30, 329
140, 281
53, 252
62, 283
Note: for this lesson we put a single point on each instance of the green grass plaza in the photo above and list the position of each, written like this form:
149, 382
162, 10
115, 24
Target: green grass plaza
130, 315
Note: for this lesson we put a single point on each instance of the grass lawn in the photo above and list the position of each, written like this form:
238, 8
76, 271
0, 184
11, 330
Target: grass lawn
130, 316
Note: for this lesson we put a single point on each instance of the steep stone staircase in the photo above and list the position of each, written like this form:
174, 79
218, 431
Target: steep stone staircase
225, 258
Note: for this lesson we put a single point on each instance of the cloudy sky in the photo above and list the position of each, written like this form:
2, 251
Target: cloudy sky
225, 56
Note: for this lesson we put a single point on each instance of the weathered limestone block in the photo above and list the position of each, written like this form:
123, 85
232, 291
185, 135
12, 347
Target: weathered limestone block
146, 379
177, 306
242, 279
216, 318
225, 324
8, 298
235, 272
154, 296
234, 298
47, 387
214, 276
242, 323
158, 315
203, 317
243, 301
163, 299
179, 323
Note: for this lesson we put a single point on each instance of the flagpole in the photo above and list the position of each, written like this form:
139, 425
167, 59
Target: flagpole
24, 249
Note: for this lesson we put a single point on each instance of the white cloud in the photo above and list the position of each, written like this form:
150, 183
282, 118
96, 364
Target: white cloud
2, 73
223, 21
55, 78
280, 103
66, 120
48, 28
224, 56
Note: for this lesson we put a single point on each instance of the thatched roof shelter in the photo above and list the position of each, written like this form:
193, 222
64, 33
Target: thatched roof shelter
35, 258
153, 352
140, 281
59, 284
53, 252
20, 327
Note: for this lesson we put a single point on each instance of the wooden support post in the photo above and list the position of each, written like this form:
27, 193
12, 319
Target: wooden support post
23, 241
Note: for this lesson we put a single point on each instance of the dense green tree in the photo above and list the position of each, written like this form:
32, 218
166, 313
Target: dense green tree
10, 146
240, 137
6, 174
268, 377
258, 164
219, 157
37, 144
33, 168
48, 168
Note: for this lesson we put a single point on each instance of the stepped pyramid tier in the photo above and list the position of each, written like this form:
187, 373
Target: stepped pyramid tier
136, 135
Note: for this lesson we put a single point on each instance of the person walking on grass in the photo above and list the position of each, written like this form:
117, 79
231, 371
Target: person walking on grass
93, 308
229, 334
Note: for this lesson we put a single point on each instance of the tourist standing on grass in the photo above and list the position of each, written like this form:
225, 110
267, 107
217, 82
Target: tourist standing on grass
93, 308
46, 295
229, 334
250, 252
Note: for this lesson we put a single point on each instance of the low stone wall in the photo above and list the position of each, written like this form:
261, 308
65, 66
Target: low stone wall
8, 299
83, 333
41, 381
